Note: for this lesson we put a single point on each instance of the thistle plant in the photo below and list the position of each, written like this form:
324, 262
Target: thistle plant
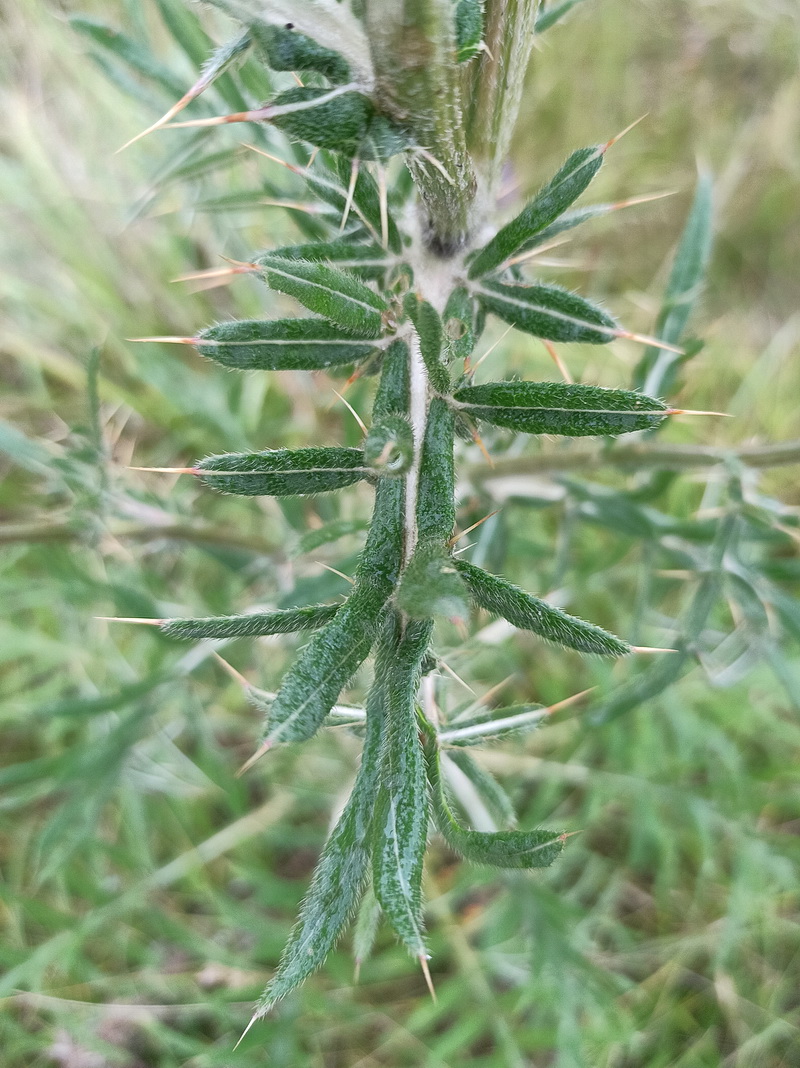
400, 129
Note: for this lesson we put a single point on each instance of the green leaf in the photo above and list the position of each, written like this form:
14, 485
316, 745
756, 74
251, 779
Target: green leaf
565, 187
488, 788
312, 685
548, 311
436, 514
459, 324
498, 849
253, 625
401, 806
568, 221
363, 260
389, 446
469, 29
431, 585
490, 725
283, 472
281, 345
554, 13
323, 117
329, 292
521, 609
342, 871
657, 369
428, 326
560, 408
392, 397
288, 50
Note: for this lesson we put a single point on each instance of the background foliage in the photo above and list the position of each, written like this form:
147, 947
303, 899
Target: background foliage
146, 891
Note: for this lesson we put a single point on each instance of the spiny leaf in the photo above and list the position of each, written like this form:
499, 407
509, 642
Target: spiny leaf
548, 311
554, 13
317, 116
657, 368
436, 515
343, 867
389, 446
281, 345
313, 683
429, 331
288, 50
560, 408
521, 609
363, 260
401, 807
392, 395
498, 849
459, 324
283, 472
469, 29
565, 187
329, 292
431, 585
253, 625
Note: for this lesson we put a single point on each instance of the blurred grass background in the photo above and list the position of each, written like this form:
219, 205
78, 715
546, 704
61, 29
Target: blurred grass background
146, 892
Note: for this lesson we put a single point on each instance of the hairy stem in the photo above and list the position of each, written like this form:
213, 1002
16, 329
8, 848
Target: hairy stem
418, 85
495, 85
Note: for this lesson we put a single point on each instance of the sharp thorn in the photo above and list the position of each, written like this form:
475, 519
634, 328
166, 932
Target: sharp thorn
690, 411
168, 470
645, 340
341, 574
568, 701
244, 1033
463, 534
167, 340
352, 411
556, 358
237, 676
457, 677
184, 100
262, 749
621, 134
356, 972
651, 649
132, 619
259, 115
423, 962
645, 199
275, 159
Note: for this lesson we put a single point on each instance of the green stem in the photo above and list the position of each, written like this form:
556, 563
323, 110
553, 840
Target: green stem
418, 86
496, 85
